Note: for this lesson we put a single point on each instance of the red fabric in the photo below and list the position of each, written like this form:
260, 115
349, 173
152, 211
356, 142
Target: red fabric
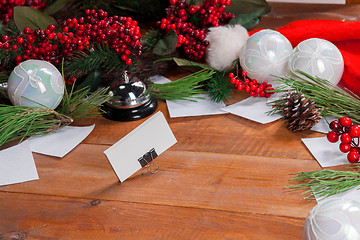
345, 35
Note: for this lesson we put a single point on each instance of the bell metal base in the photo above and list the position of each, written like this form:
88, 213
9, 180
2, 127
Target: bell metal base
130, 114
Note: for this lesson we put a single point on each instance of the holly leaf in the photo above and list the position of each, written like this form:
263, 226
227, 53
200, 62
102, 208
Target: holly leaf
57, 6
32, 18
248, 12
187, 63
167, 44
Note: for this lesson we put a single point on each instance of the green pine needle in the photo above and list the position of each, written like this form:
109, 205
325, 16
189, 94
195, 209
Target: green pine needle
219, 88
326, 183
185, 88
102, 57
18, 122
82, 103
332, 100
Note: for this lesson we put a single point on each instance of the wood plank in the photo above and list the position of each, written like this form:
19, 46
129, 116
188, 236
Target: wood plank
225, 133
191, 179
26, 216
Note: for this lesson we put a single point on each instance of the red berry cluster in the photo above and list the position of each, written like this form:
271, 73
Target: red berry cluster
7, 7
120, 33
349, 134
191, 36
251, 86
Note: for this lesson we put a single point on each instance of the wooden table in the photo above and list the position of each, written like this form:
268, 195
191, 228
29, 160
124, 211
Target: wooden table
224, 179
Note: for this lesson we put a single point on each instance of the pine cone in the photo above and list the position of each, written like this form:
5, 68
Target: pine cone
299, 112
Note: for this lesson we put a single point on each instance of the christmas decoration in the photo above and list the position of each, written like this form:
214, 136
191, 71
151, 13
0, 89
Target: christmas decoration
349, 136
255, 89
129, 100
343, 34
18, 122
36, 83
298, 112
7, 7
225, 43
333, 219
326, 183
191, 35
329, 99
265, 53
318, 57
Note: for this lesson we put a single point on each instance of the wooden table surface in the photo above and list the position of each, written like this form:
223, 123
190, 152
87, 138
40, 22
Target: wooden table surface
223, 179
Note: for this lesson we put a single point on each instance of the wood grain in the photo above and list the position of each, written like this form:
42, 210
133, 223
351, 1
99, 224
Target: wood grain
189, 179
47, 217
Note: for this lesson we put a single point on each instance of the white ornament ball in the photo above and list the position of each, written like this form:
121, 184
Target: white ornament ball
37, 80
319, 58
333, 219
225, 44
265, 53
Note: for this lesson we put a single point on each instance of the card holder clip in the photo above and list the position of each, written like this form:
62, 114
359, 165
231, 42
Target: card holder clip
147, 160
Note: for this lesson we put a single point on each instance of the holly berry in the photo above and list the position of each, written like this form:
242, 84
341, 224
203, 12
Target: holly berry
191, 34
345, 138
345, 121
335, 125
345, 147
354, 131
7, 7
251, 86
332, 137
349, 136
353, 156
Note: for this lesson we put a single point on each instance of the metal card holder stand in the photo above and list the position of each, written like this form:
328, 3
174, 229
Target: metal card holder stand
147, 160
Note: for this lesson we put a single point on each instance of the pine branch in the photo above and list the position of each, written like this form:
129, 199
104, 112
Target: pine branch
326, 183
182, 89
82, 103
102, 57
219, 88
331, 99
18, 122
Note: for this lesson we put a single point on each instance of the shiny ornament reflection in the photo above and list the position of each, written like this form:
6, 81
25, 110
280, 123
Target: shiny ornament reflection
319, 58
333, 219
37, 80
265, 53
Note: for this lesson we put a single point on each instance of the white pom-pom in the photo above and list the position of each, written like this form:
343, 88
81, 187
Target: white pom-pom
225, 44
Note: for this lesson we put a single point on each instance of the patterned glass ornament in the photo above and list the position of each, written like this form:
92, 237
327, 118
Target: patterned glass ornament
37, 80
264, 54
319, 58
333, 219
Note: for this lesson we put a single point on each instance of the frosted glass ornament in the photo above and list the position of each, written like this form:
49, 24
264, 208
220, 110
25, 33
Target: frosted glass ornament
333, 219
37, 80
319, 58
265, 53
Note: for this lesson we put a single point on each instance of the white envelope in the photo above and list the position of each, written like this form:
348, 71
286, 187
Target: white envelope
17, 165
153, 133
254, 109
60, 142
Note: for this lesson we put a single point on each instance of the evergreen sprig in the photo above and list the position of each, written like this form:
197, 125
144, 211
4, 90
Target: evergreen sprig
326, 183
218, 88
101, 57
332, 100
18, 122
185, 88
82, 103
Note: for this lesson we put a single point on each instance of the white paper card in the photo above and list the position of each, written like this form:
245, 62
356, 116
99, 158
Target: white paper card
325, 152
254, 109
17, 165
183, 108
323, 125
153, 133
60, 142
